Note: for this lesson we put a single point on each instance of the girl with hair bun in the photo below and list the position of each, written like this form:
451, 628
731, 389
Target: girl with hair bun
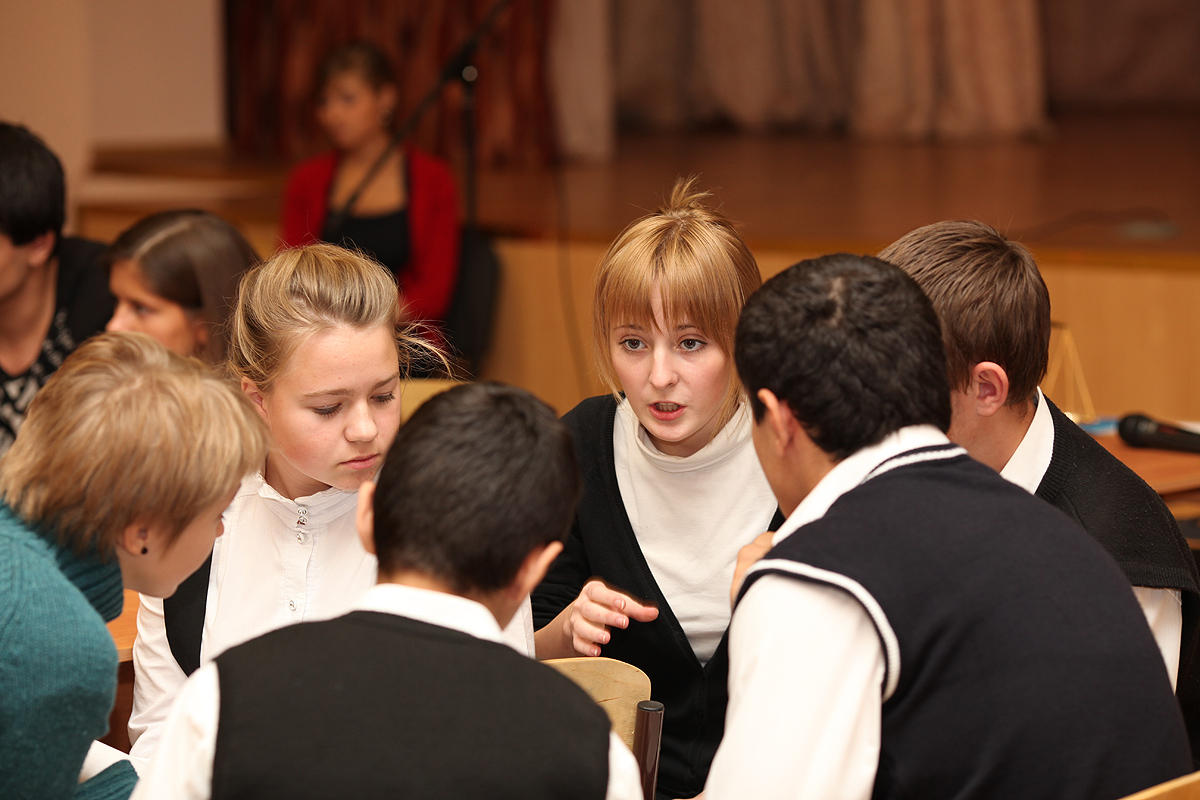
174, 275
672, 486
313, 343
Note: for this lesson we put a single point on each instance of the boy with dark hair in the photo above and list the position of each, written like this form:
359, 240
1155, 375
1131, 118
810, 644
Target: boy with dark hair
920, 627
53, 294
995, 315
413, 695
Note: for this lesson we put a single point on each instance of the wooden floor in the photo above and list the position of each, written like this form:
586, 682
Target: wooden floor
1129, 181
1110, 205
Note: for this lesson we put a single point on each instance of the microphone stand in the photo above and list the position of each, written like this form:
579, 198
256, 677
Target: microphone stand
458, 67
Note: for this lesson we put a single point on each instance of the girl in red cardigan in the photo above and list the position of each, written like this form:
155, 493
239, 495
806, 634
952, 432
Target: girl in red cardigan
407, 215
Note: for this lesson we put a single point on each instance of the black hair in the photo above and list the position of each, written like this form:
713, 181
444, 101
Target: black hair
32, 187
361, 57
479, 477
851, 345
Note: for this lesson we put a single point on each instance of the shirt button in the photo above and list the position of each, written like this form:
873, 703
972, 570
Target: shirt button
292, 605
299, 537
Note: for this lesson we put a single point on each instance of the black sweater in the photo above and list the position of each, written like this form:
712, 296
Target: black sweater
378, 705
602, 544
1017, 662
1133, 524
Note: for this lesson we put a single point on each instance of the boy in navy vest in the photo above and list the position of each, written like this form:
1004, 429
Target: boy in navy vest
920, 627
995, 315
413, 695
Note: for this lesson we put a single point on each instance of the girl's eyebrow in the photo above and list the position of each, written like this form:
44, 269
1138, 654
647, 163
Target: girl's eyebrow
348, 392
687, 326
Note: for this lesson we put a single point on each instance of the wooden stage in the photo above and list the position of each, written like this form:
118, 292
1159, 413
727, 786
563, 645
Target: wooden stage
1110, 205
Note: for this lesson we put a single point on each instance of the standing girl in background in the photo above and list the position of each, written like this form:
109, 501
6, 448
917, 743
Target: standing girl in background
314, 343
672, 486
405, 215
175, 275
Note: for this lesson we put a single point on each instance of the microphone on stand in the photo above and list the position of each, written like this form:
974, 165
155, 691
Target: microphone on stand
1138, 430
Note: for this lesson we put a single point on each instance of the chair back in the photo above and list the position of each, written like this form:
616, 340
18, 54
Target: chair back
415, 391
1185, 788
623, 691
616, 687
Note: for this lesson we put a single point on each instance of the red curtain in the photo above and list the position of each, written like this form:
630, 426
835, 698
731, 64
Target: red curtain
274, 47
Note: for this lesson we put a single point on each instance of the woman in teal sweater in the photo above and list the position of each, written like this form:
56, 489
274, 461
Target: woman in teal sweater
118, 478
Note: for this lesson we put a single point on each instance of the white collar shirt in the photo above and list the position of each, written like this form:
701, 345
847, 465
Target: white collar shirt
806, 667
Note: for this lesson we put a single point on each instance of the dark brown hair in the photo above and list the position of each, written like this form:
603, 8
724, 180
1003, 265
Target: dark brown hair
989, 296
194, 259
362, 58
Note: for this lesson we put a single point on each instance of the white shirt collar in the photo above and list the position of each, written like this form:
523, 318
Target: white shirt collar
853, 470
1031, 459
436, 608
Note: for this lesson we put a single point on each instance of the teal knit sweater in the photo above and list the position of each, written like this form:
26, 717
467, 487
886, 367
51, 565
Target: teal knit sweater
58, 666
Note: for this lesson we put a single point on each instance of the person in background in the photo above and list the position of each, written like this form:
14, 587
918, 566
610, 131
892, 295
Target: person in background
175, 275
117, 479
995, 314
672, 489
919, 626
412, 694
406, 214
53, 293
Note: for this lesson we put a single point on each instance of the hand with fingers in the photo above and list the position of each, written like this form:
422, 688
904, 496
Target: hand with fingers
747, 556
597, 609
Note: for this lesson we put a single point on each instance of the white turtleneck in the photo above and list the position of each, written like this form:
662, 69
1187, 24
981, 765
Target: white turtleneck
692, 515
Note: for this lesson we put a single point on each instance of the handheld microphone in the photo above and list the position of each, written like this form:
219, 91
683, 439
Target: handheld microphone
1138, 430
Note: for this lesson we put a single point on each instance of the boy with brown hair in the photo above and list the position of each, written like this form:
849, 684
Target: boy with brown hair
994, 310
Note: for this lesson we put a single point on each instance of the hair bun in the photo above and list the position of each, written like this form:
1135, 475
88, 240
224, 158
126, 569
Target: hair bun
685, 198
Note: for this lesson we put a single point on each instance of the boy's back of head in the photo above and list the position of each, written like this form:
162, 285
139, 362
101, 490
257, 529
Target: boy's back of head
476, 480
851, 345
989, 296
32, 187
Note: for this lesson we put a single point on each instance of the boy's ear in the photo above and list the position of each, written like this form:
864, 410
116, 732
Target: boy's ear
364, 516
533, 569
39, 251
988, 389
779, 421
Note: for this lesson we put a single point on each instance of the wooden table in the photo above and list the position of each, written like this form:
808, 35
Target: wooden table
1175, 476
124, 631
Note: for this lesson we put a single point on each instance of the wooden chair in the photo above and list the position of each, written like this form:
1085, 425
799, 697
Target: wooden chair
416, 391
1185, 788
623, 691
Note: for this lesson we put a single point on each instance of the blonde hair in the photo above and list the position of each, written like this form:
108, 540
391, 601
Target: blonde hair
701, 267
128, 433
303, 291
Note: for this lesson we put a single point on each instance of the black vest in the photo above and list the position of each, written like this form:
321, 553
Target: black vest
1018, 663
377, 705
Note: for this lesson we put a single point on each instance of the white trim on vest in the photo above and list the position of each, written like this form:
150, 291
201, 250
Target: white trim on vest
915, 457
891, 645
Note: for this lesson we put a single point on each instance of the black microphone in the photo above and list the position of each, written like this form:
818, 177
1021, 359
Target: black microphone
1138, 430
